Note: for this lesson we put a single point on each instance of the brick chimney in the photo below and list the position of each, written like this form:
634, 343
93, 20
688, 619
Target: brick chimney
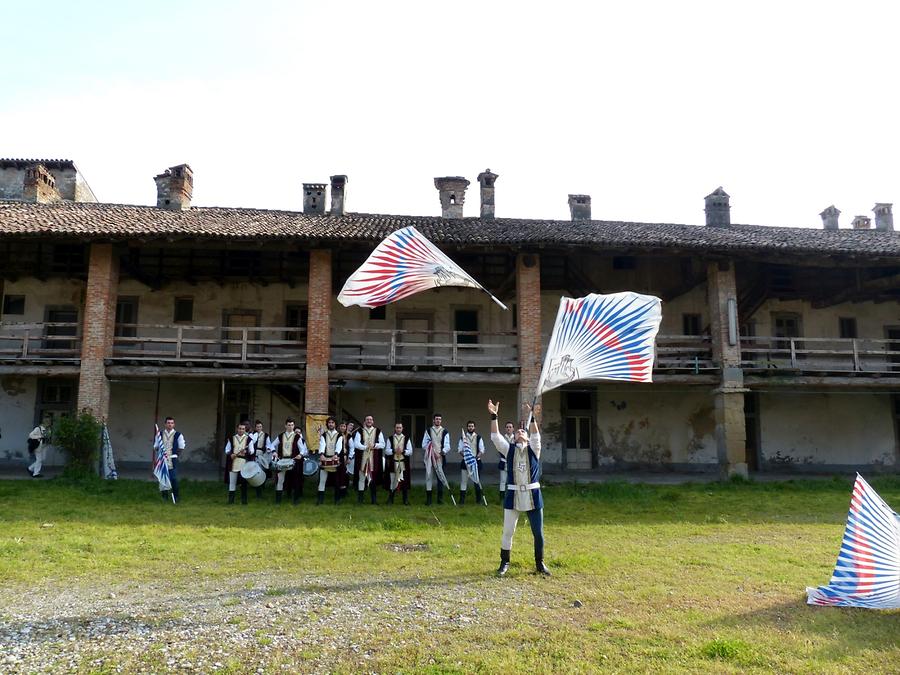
314, 197
861, 223
580, 207
884, 217
174, 188
718, 208
830, 217
452, 191
38, 185
486, 180
338, 187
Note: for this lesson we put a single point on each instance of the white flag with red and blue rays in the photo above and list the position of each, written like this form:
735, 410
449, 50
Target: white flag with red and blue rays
867, 572
602, 337
404, 264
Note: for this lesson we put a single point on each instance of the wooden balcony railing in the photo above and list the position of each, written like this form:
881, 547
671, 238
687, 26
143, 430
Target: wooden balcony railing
222, 345
820, 355
684, 354
40, 341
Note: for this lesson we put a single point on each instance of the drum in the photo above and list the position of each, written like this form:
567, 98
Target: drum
329, 463
264, 459
310, 466
284, 464
253, 474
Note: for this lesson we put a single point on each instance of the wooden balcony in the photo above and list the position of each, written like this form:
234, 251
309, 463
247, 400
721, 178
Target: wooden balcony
40, 342
820, 356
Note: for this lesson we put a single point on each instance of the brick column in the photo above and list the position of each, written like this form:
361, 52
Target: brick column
97, 329
731, 431
528, 299
318, 333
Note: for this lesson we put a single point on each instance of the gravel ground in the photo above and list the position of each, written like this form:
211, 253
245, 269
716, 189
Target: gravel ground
251, 623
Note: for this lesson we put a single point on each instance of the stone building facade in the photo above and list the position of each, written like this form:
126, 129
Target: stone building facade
779, 347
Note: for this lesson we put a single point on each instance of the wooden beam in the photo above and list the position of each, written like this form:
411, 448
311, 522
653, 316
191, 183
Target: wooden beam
861, 381
423, 377
41, 371
174, 372
863, 288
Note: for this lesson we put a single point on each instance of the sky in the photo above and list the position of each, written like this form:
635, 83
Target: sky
645, 106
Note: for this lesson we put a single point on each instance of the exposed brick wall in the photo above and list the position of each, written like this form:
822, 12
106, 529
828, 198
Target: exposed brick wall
722, 286
528, 299
97, 328
318, 333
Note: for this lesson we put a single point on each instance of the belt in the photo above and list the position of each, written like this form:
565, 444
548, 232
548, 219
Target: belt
523, 488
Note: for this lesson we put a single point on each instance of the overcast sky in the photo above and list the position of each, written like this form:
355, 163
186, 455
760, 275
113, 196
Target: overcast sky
646, 106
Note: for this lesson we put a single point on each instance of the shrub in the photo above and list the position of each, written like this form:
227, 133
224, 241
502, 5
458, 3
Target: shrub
79, 436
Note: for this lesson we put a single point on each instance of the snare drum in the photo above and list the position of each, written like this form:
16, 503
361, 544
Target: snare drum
253, 474
264, 459
284, 464
329, 463
310, 466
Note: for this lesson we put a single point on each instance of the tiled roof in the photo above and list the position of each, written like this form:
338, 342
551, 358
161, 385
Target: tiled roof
8, 162
121, 222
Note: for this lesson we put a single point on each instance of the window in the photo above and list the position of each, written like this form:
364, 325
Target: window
61, 322
847, 327
624, 262
690, 324
410, 398
295, 316
126, 317
184, 310
55, 399
466, 320
378, 313
578, 400
13, 304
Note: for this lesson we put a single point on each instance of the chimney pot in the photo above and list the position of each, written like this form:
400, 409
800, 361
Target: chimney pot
486, 180
580, 207
884, 217
338, 194
314, 198
718, 208
452, 191
174, 188
830, 217
861, 223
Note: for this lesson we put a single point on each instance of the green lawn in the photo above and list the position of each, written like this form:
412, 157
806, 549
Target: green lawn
647, 578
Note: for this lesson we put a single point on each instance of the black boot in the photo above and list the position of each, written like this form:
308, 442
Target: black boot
278, 494
427, 497
462, 497
230, 497
359, 496
243, 493
440, 494
164, 494
259, 492
337, 496
504, 562
373, 490
391, 496
478, 494
320, 497
405, 496
539, 565
297, 495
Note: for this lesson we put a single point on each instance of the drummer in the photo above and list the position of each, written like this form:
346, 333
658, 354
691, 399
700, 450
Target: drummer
345, 470
331, 450
238, 451
261, 450
289, 445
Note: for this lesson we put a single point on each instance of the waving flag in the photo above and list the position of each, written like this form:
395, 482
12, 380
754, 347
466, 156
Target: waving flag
402, 265
160, 468
867, 572
606, 337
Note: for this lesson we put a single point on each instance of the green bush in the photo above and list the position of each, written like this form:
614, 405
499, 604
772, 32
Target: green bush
79, 436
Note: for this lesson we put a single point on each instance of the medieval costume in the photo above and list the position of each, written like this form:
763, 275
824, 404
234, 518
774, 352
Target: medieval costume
368, 444
476, 444
238, 451
262, 454
398, 464
289, 445
510, 437
436, 444
345, 469
523, 491
173, 444
331, 451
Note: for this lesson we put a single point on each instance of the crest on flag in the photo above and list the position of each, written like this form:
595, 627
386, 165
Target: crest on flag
404, 264
605, 337
867, 572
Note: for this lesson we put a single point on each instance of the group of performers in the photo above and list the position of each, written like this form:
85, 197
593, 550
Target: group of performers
363, 459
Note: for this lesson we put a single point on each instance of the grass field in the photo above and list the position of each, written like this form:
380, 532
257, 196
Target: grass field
645, 578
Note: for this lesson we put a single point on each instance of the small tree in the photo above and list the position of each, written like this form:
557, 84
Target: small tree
79, 436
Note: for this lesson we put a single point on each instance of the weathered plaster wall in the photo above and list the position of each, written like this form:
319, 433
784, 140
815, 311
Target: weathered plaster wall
42, 294
871, 317
806, 430
17, 402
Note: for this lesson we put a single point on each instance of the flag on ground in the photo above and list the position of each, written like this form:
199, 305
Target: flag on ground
604, 337
108, 461
867, 572
404, 264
